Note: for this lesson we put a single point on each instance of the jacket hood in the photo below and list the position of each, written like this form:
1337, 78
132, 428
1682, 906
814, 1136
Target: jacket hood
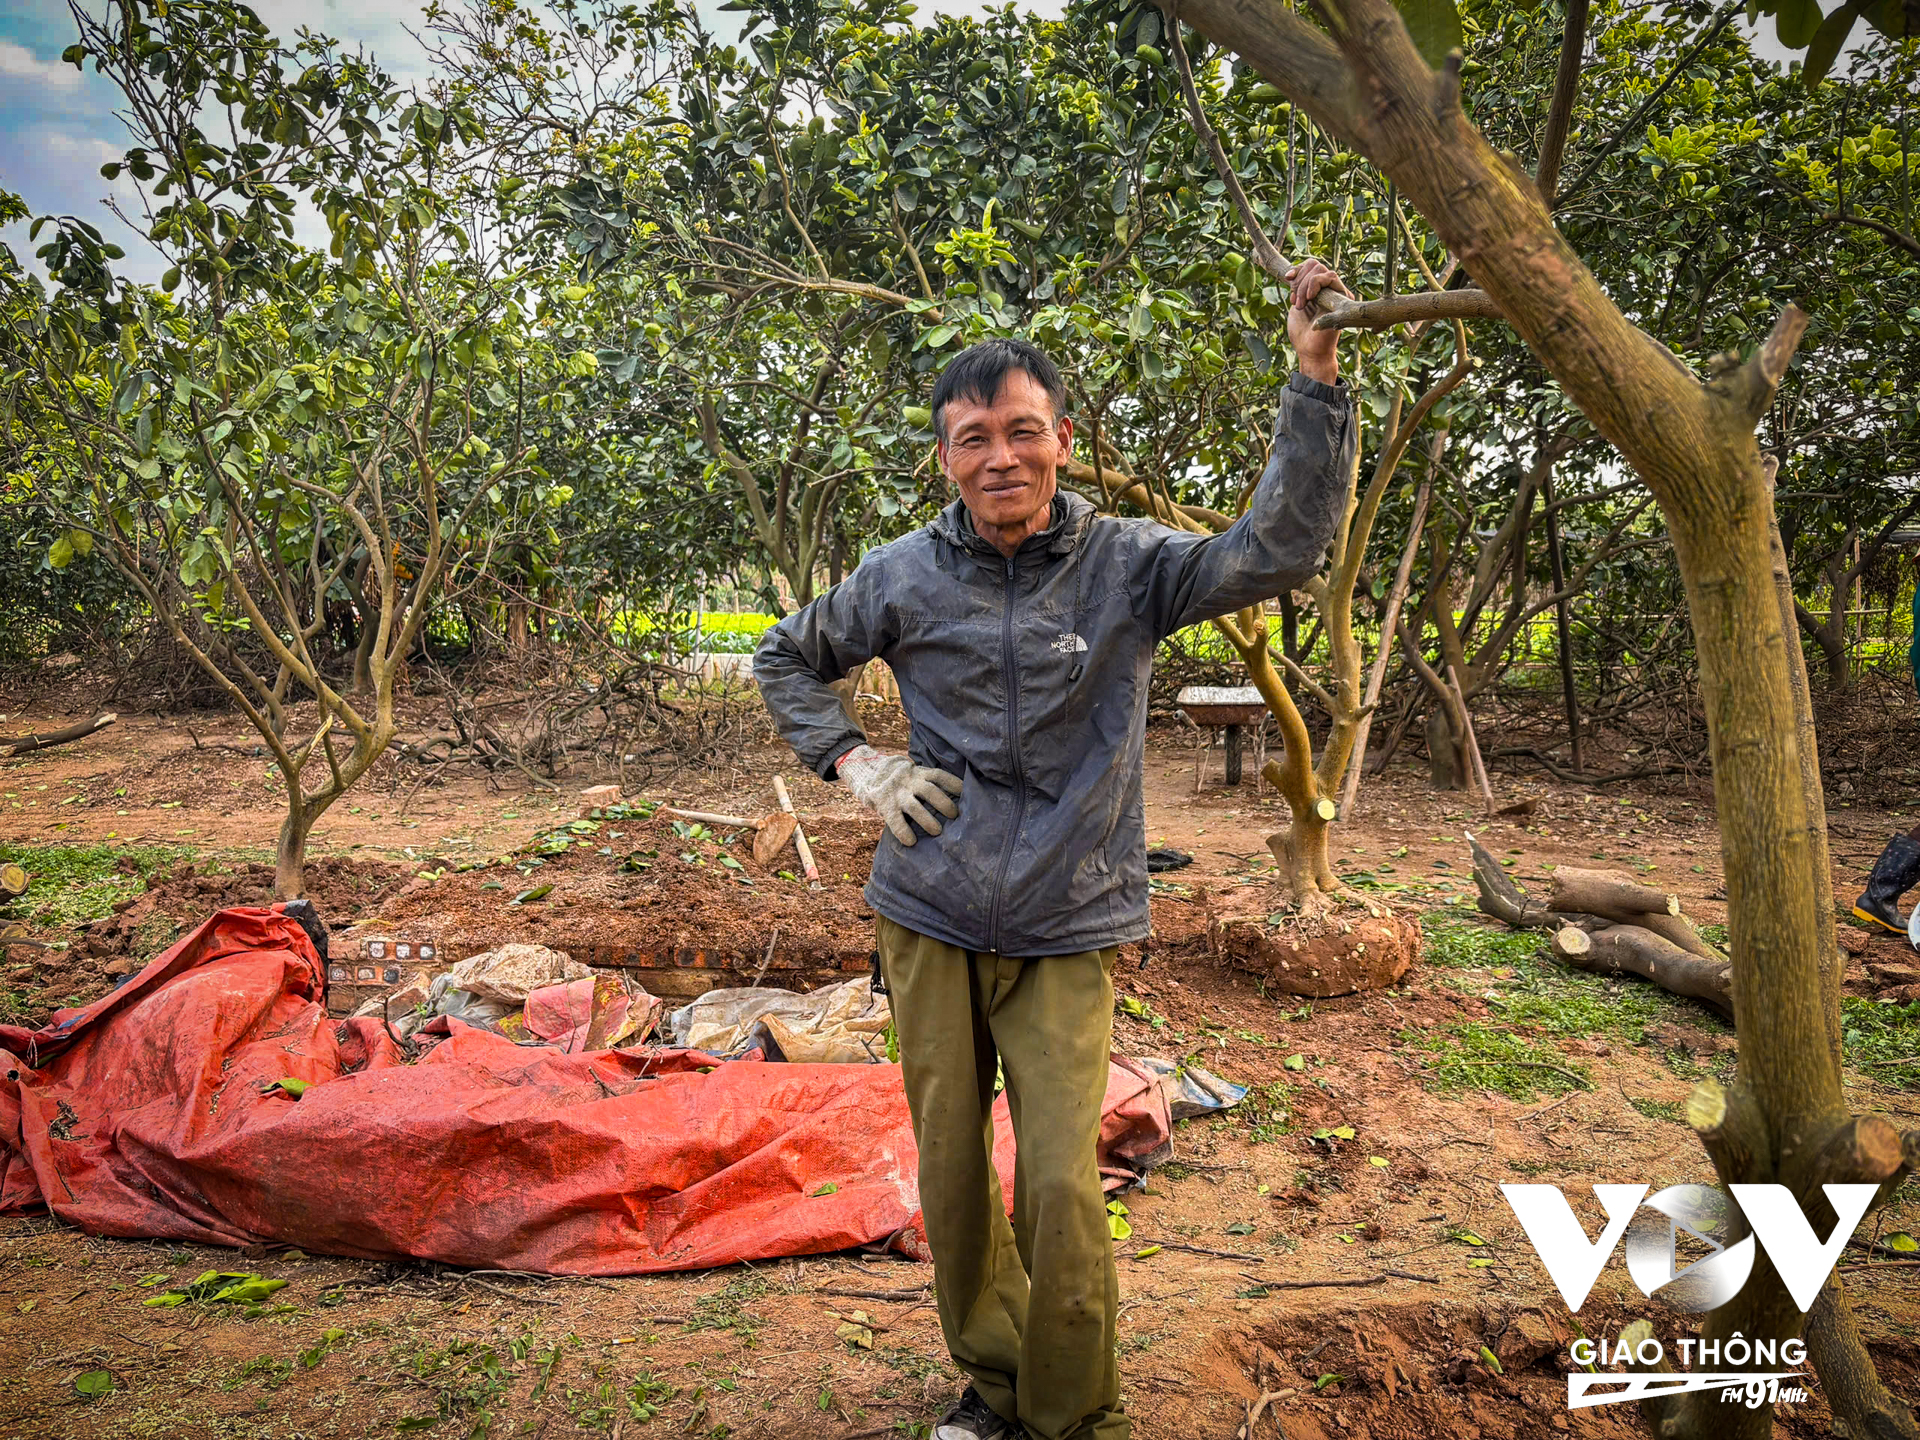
1071, 516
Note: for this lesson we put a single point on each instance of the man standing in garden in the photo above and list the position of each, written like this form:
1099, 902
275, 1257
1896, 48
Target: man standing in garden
1021, 628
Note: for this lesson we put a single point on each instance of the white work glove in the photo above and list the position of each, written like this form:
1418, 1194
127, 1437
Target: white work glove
897, 790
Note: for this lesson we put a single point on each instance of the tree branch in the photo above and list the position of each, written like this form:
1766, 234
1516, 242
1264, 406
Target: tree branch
1467, 303
1566, 85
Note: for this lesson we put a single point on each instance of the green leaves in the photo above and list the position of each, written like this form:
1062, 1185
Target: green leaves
218, 1287
92, 1384
1434, 26
1823, 47
1796, 22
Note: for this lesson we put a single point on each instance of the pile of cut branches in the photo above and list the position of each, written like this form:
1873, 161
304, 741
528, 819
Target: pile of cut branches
1608, 923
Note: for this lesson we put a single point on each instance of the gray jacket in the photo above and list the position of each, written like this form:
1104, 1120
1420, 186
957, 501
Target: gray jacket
1027, 677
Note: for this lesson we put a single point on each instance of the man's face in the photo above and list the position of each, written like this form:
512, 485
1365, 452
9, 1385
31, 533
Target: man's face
1003, 456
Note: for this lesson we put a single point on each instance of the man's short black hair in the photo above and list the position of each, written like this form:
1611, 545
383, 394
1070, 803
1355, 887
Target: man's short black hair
978, 371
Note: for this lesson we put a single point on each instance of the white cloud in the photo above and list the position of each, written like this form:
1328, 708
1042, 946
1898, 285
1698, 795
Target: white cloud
19, 63
62, 148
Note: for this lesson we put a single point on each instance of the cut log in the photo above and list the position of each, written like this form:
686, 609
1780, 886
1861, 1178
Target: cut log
1608, 892
13, 882
1625, 901
1635, 950
1502, 898
24, 744
708, 817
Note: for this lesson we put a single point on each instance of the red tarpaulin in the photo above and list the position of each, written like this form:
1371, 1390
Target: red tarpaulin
152, 1113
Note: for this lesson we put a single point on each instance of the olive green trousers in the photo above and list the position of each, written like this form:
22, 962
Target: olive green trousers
1028, 1309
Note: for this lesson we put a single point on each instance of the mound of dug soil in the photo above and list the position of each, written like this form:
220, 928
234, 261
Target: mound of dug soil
657, 895
343, 891
1340, 956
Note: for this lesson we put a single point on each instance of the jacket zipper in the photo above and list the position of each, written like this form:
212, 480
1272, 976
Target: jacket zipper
1019, 775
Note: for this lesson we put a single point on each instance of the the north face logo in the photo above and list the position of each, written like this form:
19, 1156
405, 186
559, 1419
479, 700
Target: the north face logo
1069, 643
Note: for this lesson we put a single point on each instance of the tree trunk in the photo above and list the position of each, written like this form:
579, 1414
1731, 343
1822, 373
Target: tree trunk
1832, 635
290, 853
1693, 443
1563, 631
1631, 950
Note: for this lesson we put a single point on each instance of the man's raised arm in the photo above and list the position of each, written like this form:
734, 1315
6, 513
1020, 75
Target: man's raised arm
1281, 540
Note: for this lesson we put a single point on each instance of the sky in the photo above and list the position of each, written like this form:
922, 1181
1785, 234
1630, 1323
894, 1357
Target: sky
58, 127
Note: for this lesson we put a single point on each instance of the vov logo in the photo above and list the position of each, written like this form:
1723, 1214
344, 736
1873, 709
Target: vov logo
1574, 1262
1652, 1227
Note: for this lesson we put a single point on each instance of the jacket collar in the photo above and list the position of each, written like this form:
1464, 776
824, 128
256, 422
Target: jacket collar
1071, 517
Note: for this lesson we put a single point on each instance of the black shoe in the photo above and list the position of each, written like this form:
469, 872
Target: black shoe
973, 1419
1894, 873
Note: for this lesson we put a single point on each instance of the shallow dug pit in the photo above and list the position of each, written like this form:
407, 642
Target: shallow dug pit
1338, 955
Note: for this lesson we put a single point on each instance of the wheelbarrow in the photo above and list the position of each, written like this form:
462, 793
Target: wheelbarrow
1214, 708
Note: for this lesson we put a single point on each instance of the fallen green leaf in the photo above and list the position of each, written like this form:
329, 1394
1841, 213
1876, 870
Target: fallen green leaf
1144, 1251
287, 1085
1295, 1062
527, 897
94, 1383
1493, 1360
829, 1188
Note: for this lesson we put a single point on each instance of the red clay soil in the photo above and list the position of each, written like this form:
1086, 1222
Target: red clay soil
639, 892
177, 900
1255, 1204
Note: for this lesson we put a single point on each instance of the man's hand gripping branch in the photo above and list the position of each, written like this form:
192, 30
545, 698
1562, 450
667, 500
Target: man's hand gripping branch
897, 790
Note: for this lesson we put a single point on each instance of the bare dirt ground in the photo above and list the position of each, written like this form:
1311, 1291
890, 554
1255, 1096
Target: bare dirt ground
1487, 1065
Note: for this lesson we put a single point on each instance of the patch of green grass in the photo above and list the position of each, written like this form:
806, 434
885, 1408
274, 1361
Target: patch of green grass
1882, 1040
465, 1379
1670, 1110
1266, 1112
725, 1309
916, 1363
1455, 942
74, 884
1474, 1057
1549, 997
269, 1371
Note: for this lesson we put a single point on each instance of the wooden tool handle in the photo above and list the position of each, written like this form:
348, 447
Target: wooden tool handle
799, 835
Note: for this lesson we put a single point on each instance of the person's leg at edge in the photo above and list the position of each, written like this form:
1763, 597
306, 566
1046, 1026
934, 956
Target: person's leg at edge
1894, 873
947, 1062
1052, 1020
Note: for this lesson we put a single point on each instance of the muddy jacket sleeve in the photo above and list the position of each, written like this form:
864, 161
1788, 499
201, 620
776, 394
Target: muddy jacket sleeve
1180, 579
815, 645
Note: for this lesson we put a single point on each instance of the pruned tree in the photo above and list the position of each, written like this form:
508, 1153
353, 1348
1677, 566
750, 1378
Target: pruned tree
1692, 440
274, 430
